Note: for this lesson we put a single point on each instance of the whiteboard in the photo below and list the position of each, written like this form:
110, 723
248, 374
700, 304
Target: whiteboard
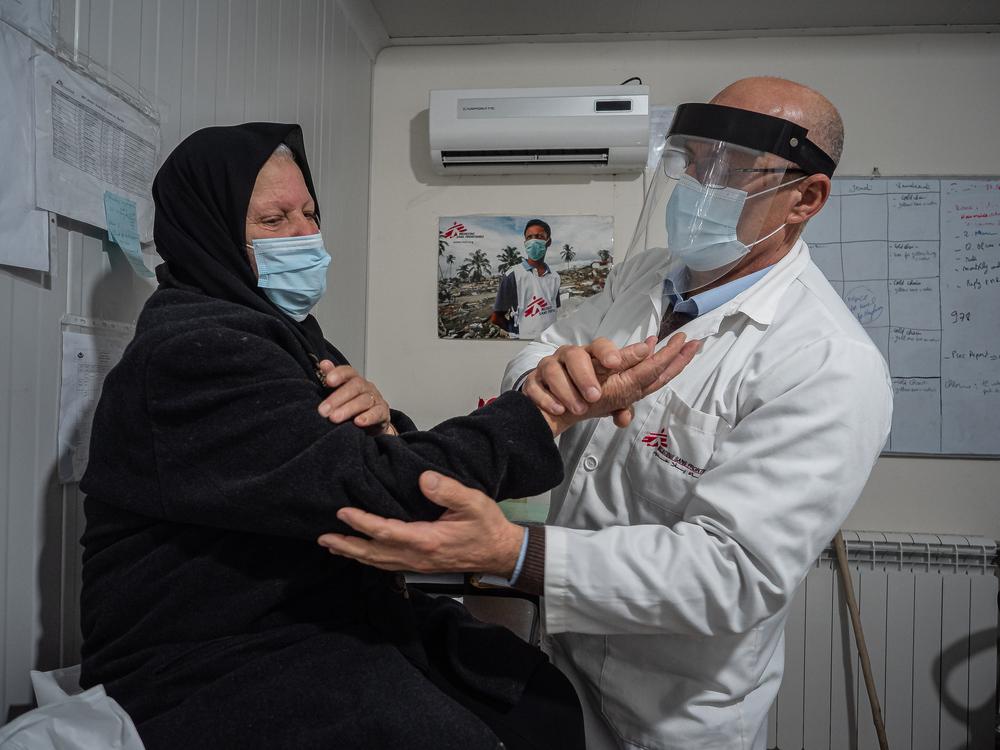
918, 263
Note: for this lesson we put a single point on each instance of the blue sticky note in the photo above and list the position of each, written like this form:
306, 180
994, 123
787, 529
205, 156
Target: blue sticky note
123, 229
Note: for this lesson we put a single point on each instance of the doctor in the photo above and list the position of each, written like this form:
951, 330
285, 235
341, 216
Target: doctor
674, 547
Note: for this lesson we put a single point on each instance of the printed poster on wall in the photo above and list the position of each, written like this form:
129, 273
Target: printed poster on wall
511, 277
89, 141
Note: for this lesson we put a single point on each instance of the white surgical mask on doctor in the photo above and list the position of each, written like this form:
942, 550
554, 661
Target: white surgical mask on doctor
710, 225
292, 272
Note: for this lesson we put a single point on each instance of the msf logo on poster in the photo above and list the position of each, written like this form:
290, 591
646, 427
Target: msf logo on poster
454, 230
537, 306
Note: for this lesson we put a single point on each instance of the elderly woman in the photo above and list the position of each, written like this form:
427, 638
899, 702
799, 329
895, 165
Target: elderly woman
219, 456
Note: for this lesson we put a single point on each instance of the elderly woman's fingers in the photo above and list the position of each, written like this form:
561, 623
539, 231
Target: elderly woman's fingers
377, 416
342, 396
544, 400
579, 364
561, 372
354, 398
623, 417
335, 376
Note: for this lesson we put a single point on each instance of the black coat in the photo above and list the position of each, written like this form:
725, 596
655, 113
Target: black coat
208, 609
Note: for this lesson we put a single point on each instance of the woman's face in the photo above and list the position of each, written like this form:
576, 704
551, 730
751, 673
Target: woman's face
280, 205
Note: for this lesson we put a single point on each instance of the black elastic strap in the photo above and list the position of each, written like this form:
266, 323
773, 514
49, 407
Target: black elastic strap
752, 130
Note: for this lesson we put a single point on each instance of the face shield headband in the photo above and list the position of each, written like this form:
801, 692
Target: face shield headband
754, 131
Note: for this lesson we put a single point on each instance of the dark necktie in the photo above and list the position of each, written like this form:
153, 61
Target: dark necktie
671, 322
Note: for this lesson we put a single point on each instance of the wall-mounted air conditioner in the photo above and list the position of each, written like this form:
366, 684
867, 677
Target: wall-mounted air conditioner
596, 129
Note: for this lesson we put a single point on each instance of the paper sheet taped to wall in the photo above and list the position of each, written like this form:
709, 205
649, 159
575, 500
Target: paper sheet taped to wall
89, 350
88, 141
918, 263
124, 232
24, 231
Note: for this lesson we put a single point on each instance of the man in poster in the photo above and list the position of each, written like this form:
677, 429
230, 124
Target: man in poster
528, 295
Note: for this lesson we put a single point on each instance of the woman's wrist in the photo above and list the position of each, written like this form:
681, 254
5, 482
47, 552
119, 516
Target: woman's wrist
556, 424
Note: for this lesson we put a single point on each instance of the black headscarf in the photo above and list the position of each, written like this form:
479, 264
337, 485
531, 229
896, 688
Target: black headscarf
201, 194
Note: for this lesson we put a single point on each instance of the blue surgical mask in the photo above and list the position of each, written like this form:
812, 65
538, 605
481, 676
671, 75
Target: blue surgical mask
714, 243
535, 248
292, 272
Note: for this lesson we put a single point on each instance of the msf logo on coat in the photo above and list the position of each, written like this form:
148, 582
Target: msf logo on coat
660, 443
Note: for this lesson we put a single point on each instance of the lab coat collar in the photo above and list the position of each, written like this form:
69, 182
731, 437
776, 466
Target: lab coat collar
759, 302
704, 302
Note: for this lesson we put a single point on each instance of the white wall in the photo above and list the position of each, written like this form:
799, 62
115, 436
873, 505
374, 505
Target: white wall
200, 62
913, 104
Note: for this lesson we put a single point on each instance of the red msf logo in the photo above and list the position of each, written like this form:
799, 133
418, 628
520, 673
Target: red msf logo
656, 439
536, 306
453, 230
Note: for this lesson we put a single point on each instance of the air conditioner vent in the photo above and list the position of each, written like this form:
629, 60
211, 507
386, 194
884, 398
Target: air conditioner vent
525, 156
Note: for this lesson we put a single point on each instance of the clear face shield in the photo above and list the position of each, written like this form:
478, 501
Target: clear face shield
712, 194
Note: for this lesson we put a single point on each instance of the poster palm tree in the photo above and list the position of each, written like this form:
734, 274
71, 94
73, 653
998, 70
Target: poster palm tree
479, 266
508, 257
442, 246
568, 253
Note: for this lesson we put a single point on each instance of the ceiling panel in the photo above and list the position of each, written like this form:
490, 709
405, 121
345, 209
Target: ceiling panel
458, 20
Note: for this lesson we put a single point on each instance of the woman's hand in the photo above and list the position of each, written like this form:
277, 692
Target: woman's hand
354, 398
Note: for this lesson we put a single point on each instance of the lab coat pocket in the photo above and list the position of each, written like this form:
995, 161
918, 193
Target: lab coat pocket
671, 451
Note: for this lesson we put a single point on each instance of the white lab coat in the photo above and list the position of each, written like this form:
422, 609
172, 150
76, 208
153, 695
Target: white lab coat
675, 545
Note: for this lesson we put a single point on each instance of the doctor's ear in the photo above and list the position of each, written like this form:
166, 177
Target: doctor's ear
814, 191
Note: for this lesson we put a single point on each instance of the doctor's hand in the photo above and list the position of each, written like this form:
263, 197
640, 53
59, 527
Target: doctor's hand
354, 398
582, 382
471, 535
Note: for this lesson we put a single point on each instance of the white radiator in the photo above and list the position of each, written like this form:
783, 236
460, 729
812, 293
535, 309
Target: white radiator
929, 611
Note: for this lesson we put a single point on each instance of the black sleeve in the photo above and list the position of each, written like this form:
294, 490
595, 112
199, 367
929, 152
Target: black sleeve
239, 444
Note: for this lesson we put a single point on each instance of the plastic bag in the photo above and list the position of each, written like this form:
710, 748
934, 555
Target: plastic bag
68, 718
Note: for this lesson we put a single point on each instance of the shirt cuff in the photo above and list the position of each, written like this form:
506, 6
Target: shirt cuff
495, 580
